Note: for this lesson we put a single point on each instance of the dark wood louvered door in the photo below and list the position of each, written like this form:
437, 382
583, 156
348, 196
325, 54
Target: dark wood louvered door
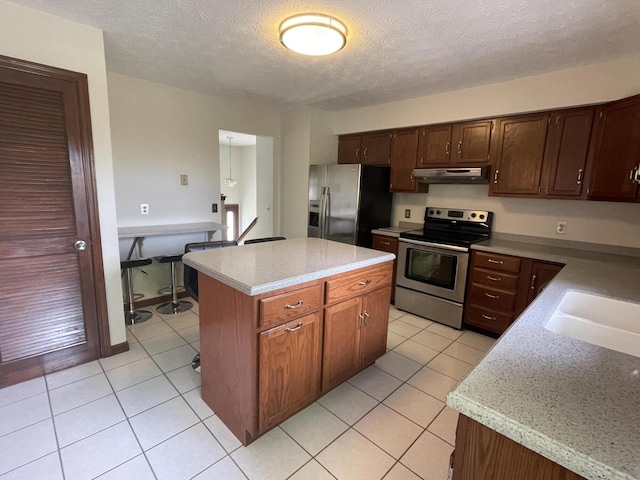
49, 316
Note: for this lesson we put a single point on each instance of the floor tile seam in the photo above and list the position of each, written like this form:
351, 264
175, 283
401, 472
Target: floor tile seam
71, 383
405, 356
137, 383
315, 457
168, 371
381, 447
27, 397
438, 436
307, 463
398, 378
55, 430
34, 422
86, 403
379, 401
214, 463
32, 461
469, 346
447, 355
399, 462
348, 426
413, 421
409, 337
163, 351
300, 445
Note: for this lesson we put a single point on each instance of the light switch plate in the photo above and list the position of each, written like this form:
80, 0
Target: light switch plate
184, 179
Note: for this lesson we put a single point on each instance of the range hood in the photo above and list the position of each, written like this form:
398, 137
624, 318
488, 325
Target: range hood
452, 175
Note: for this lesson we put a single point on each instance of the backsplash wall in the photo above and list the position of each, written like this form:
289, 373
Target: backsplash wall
596, 222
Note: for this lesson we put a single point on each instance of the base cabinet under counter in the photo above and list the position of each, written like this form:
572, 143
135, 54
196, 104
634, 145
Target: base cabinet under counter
266, 357
500, 287
484, 454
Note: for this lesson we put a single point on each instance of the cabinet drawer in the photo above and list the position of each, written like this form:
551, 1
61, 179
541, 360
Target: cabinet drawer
494, 279
287, 306
495, 261
359, 282
488, 319
493, 298
385, 244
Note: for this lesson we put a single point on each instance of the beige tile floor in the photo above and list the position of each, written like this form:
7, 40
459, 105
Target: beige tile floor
139, 415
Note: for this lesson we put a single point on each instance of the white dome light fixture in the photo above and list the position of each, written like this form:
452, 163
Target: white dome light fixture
313, 34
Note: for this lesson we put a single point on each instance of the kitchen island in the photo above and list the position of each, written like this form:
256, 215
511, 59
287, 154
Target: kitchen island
571, 402
283, 322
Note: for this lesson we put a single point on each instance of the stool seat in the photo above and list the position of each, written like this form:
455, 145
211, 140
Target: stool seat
169, 258
139, 262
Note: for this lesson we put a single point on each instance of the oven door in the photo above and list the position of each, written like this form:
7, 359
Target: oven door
434, 269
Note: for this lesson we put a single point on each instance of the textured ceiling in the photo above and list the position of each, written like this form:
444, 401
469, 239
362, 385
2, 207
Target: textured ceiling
396, 49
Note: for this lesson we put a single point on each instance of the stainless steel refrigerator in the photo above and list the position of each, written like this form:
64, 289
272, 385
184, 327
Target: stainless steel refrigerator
347, 201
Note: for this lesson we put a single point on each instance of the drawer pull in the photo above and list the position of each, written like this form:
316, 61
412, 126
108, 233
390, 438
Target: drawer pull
487, 317
533, 282
493, 279
491, 260
290, 307
297, 327
495, 297
386, 243
365, 282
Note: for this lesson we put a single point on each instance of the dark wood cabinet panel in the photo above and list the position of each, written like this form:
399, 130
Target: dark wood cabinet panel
375, 310
493, 298
376, 148
434, 146
289, 367
471, 143
403, 160
518, 152
341, 353
390, 245
617, 152
565, 159
541, 274
349, 148
496, 261
484, 454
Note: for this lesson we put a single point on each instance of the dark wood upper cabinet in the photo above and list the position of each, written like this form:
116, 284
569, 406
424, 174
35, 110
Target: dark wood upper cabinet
376, 148
617, 152
434, 147
471, 143
565, 162
349, 148
518, 153
404, 150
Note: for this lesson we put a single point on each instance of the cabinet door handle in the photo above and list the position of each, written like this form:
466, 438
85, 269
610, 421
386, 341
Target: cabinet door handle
460, 147
290, 307
366, 315
364, 153
633, 175
361, 320
357, 153
447, 148
495, 176
533, 282
579, 181
494, 297
491, 260
487, 317
493, 279
364, 282
294, 329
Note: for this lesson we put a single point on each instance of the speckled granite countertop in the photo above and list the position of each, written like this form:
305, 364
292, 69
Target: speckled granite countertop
574, 403
264, 267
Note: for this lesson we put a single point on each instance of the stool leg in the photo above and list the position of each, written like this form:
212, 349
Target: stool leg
175, 305
134, 316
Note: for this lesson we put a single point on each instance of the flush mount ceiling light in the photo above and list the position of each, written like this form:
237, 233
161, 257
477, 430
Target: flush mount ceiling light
313, 34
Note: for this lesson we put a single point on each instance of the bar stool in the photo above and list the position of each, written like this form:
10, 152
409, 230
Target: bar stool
134, 316
175, 305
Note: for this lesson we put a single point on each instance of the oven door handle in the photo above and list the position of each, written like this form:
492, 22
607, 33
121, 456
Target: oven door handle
434, 245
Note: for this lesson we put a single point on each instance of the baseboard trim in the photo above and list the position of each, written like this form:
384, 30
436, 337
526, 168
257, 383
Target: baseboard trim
119, 348
155, 300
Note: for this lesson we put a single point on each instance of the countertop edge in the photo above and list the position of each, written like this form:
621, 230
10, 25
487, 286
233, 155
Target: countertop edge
547, 447
288, 282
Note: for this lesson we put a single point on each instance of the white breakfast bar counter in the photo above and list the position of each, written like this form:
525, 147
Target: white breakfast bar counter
574, 403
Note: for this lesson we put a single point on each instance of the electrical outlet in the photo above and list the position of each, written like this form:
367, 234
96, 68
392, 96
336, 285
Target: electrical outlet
214, 208
184, 180
407, 213
561, 228
144, 208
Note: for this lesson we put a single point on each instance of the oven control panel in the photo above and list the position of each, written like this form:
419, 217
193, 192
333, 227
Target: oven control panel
452, 214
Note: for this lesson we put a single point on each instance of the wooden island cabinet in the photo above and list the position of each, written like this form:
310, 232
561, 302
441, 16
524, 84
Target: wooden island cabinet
265, 357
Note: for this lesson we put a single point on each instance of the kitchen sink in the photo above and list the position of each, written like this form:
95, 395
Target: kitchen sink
602, 321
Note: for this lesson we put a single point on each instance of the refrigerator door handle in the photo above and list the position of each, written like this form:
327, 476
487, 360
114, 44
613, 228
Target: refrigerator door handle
321, 212
326, 212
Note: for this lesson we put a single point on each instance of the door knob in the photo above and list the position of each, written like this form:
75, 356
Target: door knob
80, 245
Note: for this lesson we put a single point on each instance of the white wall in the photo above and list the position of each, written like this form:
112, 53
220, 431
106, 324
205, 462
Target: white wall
267, 220
308, 139
160, 132
600, 222
39, 37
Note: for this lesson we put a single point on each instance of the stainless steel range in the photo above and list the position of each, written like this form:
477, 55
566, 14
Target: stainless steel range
433, 263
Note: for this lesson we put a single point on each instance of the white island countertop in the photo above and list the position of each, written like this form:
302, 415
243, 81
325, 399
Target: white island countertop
264, 267
572, 402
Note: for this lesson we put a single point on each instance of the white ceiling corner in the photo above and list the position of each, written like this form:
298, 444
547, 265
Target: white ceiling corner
396, 49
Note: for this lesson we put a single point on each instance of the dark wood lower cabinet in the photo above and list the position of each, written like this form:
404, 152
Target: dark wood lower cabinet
484, 454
